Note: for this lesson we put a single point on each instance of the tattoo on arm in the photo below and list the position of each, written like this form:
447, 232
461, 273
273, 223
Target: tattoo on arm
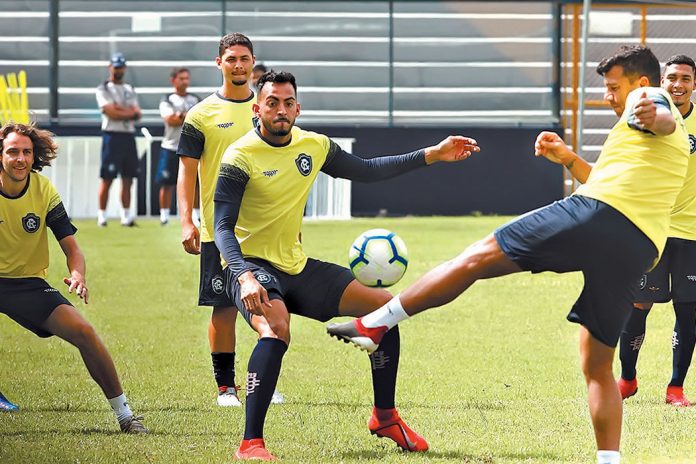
569, 166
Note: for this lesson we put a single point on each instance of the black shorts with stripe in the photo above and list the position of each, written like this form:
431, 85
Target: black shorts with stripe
29, 302
584, 234
674, 277
314, 293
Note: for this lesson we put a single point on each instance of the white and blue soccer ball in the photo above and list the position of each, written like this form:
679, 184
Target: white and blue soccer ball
378, 258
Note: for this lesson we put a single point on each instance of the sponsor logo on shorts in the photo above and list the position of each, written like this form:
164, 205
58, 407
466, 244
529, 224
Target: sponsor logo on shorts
263, 278
31, 222
225, 125
304, 164
692, 278
49, 290
270, 173
218, 285
643, 282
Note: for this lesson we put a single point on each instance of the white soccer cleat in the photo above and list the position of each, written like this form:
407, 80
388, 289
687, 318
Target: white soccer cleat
277, 398
227, 397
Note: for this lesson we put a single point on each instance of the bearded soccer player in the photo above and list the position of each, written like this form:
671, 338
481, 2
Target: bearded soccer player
29, 206
612, 229
265, 179
208, 129
674, 278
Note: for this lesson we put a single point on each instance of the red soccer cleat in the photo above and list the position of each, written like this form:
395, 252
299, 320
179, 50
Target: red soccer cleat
365, 338
628, 388
675, 397
387, 423
253, 450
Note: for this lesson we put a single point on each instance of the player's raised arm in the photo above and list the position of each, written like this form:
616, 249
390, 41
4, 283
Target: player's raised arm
652, 114
340, 163
552, 147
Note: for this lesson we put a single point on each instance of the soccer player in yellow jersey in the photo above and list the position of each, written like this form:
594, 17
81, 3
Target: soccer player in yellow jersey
265, 179
612, 229
674, 277
208, 129
29, 206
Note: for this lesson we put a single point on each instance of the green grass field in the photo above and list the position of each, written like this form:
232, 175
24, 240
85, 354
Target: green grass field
491, 378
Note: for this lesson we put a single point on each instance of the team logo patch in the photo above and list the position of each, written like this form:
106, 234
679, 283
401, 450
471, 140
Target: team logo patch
263, 278
643, 282
692, 144
218, 285
304, 164
31, 222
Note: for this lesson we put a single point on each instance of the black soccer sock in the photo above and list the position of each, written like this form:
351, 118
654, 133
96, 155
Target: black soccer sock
683, 341
631, 340
385, 364
262, 377
223, 369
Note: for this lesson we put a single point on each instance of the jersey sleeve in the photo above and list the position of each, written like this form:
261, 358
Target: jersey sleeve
340, 163
165, 107
229, 191
57, 218
192, 139
104, 97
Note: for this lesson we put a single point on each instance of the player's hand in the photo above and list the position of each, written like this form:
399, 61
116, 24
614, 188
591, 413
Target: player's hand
191, 238
645, 112
252, 293
76, 282
551, 146
453, 148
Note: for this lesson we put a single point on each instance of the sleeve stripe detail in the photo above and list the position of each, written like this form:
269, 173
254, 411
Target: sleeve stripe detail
234, 173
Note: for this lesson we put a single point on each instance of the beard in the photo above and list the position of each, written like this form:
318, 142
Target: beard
239, 82
118, 76
277, 132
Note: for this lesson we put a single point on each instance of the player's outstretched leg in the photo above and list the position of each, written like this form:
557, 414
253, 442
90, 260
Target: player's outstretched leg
6, 405
385, 421
683, 343
630, 343
65, 322
482, 260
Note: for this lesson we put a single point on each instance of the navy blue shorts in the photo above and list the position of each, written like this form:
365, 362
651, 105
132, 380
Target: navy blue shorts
118, 156
167, 167
211, 288
29, 302
314, 293
583, 234
676, 267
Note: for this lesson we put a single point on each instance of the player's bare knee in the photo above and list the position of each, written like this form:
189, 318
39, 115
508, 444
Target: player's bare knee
83, 335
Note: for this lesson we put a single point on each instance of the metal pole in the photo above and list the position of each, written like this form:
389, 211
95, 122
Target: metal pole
224, 16
556, 67
53, 58
587, 6
391, 63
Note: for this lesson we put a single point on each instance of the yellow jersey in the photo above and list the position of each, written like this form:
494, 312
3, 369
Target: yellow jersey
23, 228
641, 174
267, 227
208, 129
683, 223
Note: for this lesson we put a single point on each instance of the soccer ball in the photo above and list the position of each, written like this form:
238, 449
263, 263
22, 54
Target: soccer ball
378, 258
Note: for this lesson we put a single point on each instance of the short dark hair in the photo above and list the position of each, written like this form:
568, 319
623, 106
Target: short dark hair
682, 59
178, 70
235, 38
45, 148
636, 61
260, 67
276, 78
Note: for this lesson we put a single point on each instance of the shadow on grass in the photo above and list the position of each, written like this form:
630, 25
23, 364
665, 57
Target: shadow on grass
63, 410
110, 432
409, 405
459, 456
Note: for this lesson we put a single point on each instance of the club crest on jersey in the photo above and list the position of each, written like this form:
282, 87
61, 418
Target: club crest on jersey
692, 144
31, 222
218, 285
304, 164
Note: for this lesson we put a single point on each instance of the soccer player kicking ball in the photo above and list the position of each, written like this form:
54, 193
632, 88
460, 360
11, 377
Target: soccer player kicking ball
265, 179
29, 204
612, 229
